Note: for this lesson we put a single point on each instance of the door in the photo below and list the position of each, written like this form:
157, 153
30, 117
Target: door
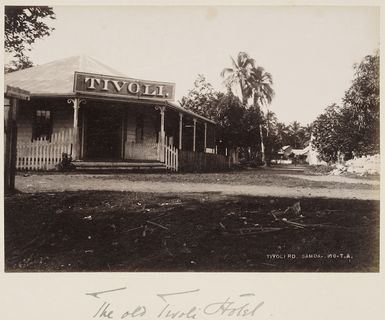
103, 133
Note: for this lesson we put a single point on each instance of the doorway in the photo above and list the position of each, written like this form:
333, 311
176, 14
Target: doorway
103, 133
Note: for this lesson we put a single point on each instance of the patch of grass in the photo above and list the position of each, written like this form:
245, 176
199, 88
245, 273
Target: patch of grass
258, 178
319, 169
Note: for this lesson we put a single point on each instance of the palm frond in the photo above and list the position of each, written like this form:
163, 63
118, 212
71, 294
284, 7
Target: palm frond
226, 71
244, 60
235, 65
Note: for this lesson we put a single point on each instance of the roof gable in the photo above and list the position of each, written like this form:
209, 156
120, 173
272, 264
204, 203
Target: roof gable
56, 77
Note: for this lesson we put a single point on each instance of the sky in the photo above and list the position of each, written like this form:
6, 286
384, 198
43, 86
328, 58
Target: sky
310, 51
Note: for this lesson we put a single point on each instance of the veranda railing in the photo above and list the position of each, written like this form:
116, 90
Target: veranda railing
162, 151
168, 154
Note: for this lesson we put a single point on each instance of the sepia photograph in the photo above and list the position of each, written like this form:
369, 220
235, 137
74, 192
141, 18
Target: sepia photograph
191, 139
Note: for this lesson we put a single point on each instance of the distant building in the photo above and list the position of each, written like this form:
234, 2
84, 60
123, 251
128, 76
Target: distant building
312, 156
285, 151
309, 155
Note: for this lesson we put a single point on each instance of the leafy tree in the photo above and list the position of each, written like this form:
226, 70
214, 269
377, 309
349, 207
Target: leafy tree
270, 123
361, 109
298, 135
251, 123
295, 129
307, 135
326, 131
280, 134
352, 129
202, 99
23, 62
224, 108
23, 26
231, 121
282, 131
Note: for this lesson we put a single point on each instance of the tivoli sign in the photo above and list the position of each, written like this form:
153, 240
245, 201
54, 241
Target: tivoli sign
109, 86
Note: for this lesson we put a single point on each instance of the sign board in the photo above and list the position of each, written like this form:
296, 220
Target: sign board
119, 87
14, 92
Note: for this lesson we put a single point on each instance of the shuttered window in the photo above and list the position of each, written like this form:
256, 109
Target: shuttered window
42, 124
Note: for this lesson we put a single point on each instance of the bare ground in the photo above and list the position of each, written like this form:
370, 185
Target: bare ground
280, 183
257, 220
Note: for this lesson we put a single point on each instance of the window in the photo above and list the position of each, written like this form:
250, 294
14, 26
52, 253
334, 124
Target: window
139, 128
43, 124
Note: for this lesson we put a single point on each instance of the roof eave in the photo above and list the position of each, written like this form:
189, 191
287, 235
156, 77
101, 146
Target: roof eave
170, 104
185, 111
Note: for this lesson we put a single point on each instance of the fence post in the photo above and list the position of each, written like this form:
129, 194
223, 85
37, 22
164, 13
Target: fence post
38, 146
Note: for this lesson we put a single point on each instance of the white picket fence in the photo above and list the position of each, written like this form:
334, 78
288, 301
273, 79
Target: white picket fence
44, 154
171, 157
168, 154
162, 151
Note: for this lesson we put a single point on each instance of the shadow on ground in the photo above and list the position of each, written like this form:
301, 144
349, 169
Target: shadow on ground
125, 231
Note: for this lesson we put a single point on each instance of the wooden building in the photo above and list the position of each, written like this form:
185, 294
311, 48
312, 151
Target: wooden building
103, 119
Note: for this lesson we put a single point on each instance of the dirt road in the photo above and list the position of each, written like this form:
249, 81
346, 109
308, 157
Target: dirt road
84, 182
338, 179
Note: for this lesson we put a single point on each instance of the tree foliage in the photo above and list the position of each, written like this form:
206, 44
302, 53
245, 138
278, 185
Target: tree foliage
236, 125
23, 26
326, 132
203, 99
352, 129
260, 87
253, 81
231, 121
361, 109
281, 134
239, 75
256, 85
298, 135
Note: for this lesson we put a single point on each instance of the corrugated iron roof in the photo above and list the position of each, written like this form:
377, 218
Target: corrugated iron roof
178, 107
299, 152
56, 77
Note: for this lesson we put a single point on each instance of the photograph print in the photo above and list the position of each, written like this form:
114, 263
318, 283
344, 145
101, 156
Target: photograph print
204, 139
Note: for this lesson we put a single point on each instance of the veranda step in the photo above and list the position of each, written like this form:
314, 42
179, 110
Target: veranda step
123, 168
116, 164
119, 166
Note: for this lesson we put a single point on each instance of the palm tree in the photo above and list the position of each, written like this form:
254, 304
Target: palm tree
271, 121
295, 130
283, 134
262, 94
239, 75
261, 86
254, 82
